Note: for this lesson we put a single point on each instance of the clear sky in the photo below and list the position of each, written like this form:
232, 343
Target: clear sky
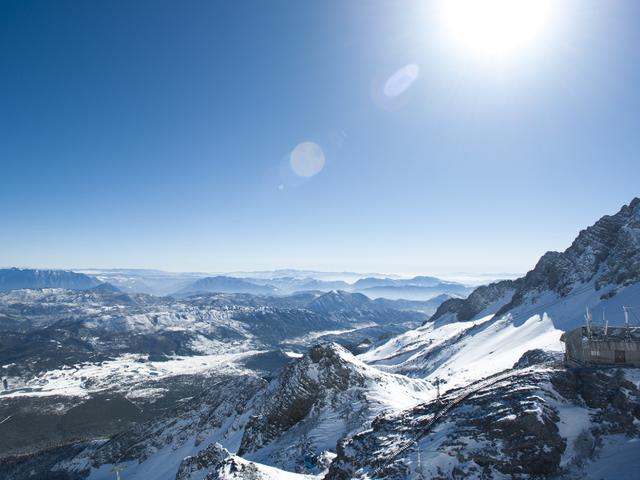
172, 134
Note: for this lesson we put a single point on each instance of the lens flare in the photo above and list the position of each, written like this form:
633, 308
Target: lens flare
307, 159
401, 80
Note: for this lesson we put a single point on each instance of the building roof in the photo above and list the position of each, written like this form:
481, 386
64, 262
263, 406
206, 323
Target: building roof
612, 333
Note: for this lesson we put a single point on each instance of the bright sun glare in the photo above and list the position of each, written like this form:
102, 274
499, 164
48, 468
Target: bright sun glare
496, 27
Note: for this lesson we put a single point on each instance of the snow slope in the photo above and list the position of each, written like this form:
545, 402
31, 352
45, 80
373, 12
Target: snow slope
462, 352
542, 422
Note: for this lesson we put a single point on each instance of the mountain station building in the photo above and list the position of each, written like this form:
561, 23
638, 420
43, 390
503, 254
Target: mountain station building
600, 346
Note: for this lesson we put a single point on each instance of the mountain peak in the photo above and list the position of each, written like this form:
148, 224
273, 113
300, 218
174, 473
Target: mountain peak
19, 278
339, 300
603, 259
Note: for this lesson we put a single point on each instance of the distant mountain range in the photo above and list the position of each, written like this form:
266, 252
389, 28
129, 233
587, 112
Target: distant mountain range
17, 278
155, 282
223, 284
419, 288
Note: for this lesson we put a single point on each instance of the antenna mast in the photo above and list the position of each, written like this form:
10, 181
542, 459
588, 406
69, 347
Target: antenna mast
589, 320
626, 318
117, 469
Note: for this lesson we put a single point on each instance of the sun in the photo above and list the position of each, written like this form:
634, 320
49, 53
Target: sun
496, 28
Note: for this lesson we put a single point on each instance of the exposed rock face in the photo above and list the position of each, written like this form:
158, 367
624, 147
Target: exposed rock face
607, 253
480, 298
538, 356
209, 460
613, 399
542, 422
322, 397
303, 386
216, 463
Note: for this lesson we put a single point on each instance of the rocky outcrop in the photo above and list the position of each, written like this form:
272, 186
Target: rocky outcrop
537, 357
307, 384
208, 460
607, 253
324, 396
541, 422
481, 298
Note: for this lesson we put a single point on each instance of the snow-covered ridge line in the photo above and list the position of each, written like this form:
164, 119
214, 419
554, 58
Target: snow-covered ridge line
601, 263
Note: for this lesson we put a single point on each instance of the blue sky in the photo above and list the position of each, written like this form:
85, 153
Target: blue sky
158, 134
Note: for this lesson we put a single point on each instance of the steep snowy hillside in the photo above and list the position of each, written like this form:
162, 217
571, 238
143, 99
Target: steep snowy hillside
536, 422
467, 339
218, 464
316, 401
601, 269
458, 353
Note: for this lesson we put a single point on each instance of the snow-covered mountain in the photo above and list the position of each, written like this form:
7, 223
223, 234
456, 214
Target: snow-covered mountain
316, 401
470, 340
485, 333
601, 269
420, 288
16, 278
540, 421
486, 298
340, 300
508, 407
416, 292
278, 282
